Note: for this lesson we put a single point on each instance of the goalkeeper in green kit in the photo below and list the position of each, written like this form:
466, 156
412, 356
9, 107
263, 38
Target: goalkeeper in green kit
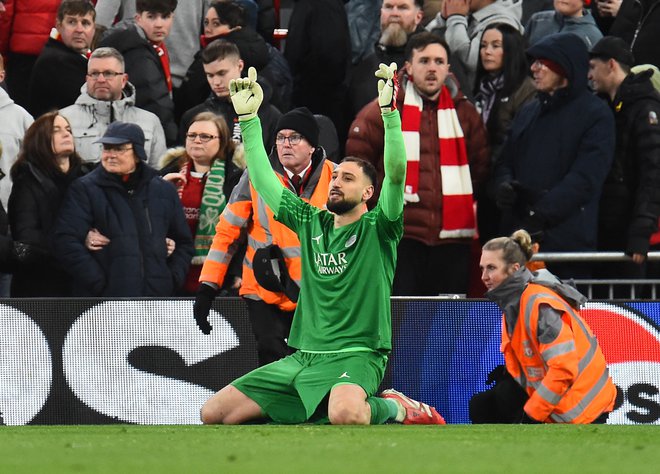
342, 326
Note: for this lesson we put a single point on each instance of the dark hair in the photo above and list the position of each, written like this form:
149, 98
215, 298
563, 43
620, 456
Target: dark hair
227, 145
163, 7
219, 49
75, 8
515, 249
515, 67
37, 147
367, 168
422, 40
419, 3
229, 13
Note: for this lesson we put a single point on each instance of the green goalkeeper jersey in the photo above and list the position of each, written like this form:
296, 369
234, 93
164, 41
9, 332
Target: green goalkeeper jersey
347, 275
347, 272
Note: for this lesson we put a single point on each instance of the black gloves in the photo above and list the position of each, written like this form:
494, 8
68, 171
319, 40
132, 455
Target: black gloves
27, 254
498, 374
507, 194
203, 300
534, 224
528, 420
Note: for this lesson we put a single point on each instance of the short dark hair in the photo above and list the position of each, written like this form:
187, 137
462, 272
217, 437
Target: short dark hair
515, 67
75, 8
163, 7
367, 168
37, 147
229, 13
219, 49
422, 40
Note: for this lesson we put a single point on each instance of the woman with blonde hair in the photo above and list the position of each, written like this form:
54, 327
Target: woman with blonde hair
204, 172
549, 350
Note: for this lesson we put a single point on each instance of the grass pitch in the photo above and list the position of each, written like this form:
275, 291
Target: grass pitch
330, 449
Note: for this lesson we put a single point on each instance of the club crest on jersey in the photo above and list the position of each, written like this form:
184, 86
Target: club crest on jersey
351, 240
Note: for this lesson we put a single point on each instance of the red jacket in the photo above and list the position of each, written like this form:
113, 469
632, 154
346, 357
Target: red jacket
423, 220
25, 26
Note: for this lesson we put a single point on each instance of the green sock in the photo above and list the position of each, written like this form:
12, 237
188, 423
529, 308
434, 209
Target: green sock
382, 409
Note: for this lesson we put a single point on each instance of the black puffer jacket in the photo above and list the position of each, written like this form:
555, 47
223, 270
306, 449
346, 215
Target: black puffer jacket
146, 73
56, 78
195, 88
630, 203
136, 218
638, 23
268, 114
34, 204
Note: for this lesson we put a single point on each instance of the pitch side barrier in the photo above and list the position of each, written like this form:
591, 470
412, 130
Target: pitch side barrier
89, 361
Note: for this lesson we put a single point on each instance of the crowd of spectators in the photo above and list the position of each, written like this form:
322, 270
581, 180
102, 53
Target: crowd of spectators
517, 114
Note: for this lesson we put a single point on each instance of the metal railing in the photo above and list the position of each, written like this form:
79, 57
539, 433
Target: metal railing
636, 287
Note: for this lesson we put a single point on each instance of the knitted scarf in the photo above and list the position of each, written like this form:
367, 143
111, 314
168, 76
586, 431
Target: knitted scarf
213, 203
487, 92
457, 204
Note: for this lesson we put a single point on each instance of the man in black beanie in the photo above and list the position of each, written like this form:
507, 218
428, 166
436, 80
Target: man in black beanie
271, 267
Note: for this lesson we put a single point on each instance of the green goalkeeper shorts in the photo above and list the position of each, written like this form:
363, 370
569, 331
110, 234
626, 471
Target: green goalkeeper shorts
290, 390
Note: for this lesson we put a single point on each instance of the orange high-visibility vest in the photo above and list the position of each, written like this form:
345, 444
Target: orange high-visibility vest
247, 212
567, 379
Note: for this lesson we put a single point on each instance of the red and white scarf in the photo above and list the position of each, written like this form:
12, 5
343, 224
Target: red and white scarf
457, 203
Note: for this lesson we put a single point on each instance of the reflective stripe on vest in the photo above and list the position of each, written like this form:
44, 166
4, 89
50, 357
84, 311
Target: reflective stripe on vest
578, 409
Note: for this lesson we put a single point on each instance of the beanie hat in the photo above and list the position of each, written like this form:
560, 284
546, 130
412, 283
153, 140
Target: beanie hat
553, 66
302, 121
119, 133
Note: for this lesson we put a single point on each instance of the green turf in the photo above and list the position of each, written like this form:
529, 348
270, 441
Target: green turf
331, 449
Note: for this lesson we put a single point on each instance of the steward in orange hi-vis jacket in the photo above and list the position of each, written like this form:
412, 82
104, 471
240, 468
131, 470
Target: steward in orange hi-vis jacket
550, 350
246, 212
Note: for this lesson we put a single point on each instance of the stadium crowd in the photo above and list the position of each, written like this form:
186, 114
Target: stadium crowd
123, 166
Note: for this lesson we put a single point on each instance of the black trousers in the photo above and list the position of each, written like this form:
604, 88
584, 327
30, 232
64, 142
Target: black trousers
270, 327
504, 402
422, 270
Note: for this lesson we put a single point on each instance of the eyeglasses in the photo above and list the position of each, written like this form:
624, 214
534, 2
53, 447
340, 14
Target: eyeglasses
538, 65
293, 139
115, 150
203, 137
106, 74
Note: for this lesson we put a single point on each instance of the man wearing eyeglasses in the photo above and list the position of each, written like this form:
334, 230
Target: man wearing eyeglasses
301, 166
60, 69
107, 96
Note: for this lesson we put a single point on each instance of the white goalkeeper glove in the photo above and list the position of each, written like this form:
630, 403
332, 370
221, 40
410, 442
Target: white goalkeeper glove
246, 95
388, 87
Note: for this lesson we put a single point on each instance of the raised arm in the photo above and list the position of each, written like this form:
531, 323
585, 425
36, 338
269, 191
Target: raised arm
246, 96
391, 195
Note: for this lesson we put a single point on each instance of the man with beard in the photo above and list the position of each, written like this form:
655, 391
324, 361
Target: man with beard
300, 164
398, 20
448, 159
342, 327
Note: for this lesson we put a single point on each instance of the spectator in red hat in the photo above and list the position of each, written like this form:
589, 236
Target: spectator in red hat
557, 155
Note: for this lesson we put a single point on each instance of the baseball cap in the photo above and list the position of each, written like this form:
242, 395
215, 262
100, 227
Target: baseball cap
119, 133
611, 47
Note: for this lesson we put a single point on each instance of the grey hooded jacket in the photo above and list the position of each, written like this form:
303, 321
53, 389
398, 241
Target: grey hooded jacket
89, 117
